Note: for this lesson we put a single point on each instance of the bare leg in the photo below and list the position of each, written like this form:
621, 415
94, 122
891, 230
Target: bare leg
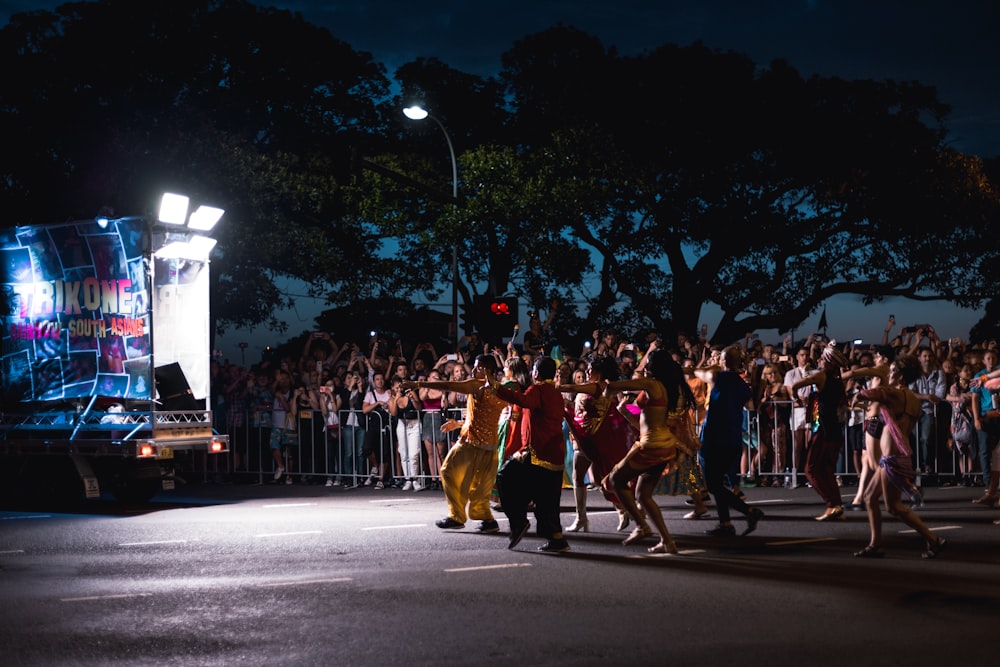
580, 466
620, 477
645, 488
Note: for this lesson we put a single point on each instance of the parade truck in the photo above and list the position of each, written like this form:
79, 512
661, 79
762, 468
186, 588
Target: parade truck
105, 357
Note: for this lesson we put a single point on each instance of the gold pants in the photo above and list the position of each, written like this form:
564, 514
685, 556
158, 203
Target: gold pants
467, 475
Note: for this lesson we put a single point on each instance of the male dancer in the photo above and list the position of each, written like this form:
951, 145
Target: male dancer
469, 470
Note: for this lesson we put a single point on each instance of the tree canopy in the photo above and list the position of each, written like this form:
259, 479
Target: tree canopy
633, 189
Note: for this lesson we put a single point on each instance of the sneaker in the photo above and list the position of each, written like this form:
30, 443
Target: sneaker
448, 523
336, 482
486, 527
408, 486
417, 486
555, 546
368, 482
329, 483
755, 515
379, 485
517, 533
288, 480
278, 473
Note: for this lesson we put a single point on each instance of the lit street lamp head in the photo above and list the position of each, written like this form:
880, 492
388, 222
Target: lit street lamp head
415, 112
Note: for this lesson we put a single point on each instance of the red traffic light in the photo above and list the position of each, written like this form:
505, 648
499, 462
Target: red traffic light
500, 308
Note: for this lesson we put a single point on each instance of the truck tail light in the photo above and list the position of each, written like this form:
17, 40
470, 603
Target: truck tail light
146, 450
217, 446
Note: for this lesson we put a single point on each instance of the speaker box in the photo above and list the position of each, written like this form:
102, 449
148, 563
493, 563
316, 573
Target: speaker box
173, 388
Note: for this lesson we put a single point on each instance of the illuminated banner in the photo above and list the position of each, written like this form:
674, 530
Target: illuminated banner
76, 311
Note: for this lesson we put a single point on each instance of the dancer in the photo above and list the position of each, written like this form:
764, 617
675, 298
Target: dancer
534, 473
602, 435
826, 433
722, 441
469, 469
898, 410
665, 393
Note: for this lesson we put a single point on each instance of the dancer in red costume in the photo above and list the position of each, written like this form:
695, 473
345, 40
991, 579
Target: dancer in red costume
603, 437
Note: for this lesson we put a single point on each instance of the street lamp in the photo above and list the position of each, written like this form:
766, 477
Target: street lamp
419, 113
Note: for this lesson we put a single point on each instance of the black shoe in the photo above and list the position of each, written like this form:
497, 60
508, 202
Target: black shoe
488, 527
555, 546
721, 531
448, 523
754, 517
517, 533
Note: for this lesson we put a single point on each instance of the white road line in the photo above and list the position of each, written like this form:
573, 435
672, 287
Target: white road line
910, 531
392, 500
400, 525
290, 505
142, 544
11, 551
487, 567
298, 532
122, 596
307, 581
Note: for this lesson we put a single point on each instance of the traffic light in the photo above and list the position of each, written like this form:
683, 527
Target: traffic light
468, 317
497, 319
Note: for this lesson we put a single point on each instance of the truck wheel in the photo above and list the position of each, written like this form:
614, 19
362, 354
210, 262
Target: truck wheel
136, 490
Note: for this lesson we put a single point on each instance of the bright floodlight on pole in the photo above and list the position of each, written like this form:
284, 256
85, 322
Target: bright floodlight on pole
173, 209
205, 218
186, 243
417, 112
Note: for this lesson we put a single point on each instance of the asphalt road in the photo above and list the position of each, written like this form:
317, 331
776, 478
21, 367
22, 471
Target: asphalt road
308, 575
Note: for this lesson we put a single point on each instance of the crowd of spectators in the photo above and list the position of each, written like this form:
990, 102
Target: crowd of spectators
334, 397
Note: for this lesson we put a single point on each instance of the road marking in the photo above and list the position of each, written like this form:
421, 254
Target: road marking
12, 551
487, 567
401, 525
810, 540
392, 500
290, 505
297, 532
308, 581
142, 544
122, 596
31, 516
910, 531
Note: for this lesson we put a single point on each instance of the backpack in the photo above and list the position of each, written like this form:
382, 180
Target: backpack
961, 428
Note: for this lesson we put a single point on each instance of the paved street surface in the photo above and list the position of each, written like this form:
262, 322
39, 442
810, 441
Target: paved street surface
243, 574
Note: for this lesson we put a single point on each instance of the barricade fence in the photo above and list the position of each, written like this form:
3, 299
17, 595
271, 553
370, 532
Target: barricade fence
343, 451
773, 453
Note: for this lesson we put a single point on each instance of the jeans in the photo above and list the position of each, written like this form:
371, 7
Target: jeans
352, 442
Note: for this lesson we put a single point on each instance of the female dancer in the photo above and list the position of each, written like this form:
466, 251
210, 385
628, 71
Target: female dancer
826, 437
601, 437
898, 410
665, 393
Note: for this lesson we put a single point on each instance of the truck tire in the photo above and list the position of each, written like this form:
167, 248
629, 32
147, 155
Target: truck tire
137, 482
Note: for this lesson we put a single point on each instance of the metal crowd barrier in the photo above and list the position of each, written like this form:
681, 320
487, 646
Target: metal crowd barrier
322, 453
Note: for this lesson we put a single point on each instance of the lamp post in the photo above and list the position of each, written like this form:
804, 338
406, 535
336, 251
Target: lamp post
419, 113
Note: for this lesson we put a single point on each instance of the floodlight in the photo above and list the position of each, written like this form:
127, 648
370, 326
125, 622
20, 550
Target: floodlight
173, 209
205, 218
